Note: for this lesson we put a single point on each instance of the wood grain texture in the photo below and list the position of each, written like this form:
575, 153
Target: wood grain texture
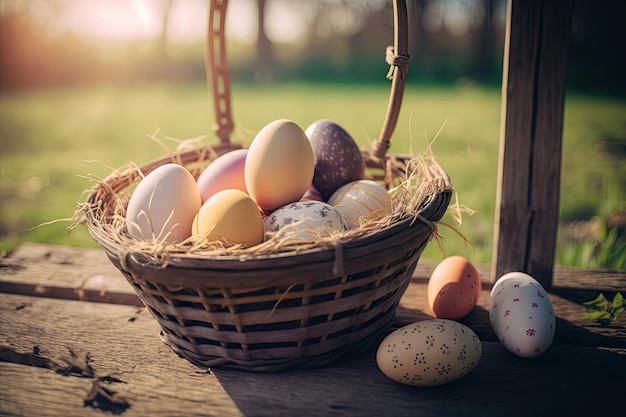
533, 91
123, 341
57, 271
120, 340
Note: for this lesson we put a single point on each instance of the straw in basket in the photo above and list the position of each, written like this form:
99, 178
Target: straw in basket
279, 309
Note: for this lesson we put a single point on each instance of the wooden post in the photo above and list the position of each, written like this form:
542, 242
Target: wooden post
533, 92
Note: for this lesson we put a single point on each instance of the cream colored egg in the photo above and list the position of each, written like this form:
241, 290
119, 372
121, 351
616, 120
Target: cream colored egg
231, 216
163, 205
429, 353
279, 166
359, 200
305, 220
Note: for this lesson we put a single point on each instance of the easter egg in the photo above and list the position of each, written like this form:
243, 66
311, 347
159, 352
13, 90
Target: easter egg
225, 172
231, 216
305, 220
521, 315
279, 165
163, 205
429, 353
453, 288
361, 199
338, 159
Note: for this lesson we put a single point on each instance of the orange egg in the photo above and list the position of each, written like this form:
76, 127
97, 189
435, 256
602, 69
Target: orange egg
453, 288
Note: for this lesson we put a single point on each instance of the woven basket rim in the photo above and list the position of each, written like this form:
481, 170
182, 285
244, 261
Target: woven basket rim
429, 216
237, 308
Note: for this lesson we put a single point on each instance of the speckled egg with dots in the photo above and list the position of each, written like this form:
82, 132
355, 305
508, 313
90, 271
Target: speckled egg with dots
429, 353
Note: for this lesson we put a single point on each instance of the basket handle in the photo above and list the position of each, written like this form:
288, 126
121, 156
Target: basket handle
218, 76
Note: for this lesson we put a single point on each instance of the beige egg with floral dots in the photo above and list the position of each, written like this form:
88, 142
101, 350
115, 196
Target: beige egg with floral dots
429, 353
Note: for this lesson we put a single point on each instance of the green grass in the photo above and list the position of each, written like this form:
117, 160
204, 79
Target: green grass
46, 136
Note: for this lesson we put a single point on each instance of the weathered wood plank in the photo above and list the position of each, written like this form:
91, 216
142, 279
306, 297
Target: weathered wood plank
86, 274
571, 329
122, 341
533, 92
64, 272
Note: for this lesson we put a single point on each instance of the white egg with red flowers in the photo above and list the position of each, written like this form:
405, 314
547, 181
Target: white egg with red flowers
521, 315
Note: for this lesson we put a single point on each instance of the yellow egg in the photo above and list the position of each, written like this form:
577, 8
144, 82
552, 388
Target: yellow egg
279, 166
232, 216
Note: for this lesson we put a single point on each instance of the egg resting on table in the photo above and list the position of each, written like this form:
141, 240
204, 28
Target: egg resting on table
521, 315
453, 288
429, 353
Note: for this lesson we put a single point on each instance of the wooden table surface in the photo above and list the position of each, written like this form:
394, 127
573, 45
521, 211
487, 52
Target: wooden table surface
75, 341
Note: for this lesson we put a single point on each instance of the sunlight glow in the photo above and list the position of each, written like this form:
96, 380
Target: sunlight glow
187, 21
108, 19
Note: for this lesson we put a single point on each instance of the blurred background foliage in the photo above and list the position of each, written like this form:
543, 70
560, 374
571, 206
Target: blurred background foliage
313, 40
84, 79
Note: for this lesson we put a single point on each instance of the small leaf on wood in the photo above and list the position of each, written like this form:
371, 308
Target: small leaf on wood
618, 303
597, 315
598, 303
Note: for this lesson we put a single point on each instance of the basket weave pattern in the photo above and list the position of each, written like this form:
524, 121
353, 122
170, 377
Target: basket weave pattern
274, 311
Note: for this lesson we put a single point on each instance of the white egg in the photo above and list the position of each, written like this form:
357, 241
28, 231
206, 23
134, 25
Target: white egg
521, 315
360, 199
305, 220
163, 205
429, 353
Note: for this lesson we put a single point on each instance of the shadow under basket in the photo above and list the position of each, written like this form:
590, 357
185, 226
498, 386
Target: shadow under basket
278, 310
271, 311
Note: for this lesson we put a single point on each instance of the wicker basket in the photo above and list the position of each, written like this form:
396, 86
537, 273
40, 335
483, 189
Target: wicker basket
273, 311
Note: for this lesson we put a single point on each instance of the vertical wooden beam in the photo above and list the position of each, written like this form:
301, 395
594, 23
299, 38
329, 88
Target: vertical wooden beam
529, 166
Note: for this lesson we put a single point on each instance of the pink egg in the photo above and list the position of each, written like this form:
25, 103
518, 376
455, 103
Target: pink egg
226, 172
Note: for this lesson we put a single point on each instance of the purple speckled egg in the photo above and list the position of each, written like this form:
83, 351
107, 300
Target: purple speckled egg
338, 159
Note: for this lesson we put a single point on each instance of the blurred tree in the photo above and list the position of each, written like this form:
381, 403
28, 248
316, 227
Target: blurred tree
162, 40
263, 71
485, 41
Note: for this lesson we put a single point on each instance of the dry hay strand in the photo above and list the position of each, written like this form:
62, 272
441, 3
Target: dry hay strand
416, 181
